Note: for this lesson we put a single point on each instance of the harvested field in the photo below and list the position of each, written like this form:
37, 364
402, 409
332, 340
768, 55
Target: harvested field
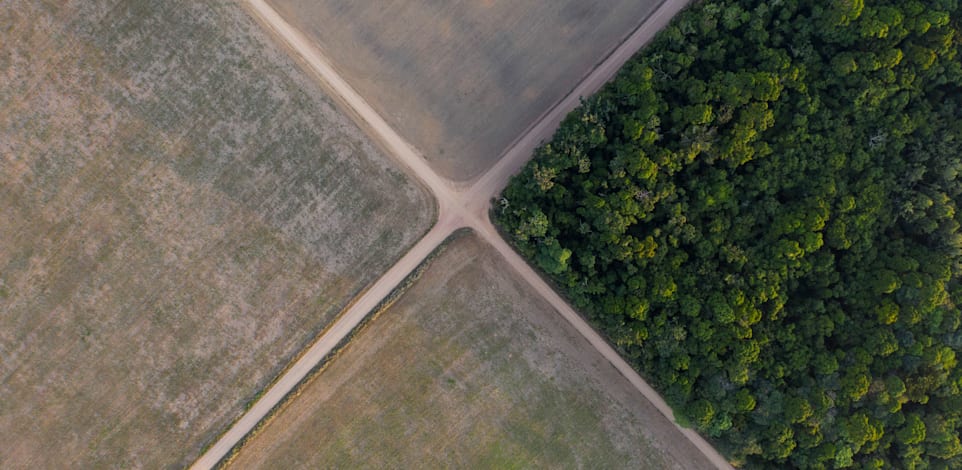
461, 79
181, 211
470, 369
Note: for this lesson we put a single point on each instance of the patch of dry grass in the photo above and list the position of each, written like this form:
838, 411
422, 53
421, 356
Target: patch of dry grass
469, 369
181, 210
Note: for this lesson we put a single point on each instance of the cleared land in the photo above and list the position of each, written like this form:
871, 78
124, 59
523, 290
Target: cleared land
181, 210
469, 369
461, 79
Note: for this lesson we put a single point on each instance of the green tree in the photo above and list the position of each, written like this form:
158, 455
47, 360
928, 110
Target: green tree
762, 212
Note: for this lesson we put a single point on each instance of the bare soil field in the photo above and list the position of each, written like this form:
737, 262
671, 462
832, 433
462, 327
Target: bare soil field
461, 79
469, 369
181, 211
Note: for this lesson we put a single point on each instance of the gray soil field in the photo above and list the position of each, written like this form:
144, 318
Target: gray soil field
181, 211
469, 369
461, 79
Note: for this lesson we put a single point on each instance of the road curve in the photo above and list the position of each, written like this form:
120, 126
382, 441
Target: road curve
458, 206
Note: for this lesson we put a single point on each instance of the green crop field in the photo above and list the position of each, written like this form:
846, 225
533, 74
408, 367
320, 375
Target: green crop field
462, 79
469, 369
181, 211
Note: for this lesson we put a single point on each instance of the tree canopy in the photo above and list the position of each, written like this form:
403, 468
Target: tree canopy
762, 212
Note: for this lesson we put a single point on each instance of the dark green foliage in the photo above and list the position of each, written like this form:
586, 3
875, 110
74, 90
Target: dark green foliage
762, 211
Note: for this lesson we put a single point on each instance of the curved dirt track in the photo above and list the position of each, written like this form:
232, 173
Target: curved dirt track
459, 206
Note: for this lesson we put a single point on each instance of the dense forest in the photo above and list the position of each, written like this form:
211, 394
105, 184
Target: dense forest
762, 212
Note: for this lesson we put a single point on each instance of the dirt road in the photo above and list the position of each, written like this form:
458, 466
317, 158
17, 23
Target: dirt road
458, 206
328, 340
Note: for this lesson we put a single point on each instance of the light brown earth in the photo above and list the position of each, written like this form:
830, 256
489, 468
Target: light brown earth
470, 369
181, 211
461, 79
